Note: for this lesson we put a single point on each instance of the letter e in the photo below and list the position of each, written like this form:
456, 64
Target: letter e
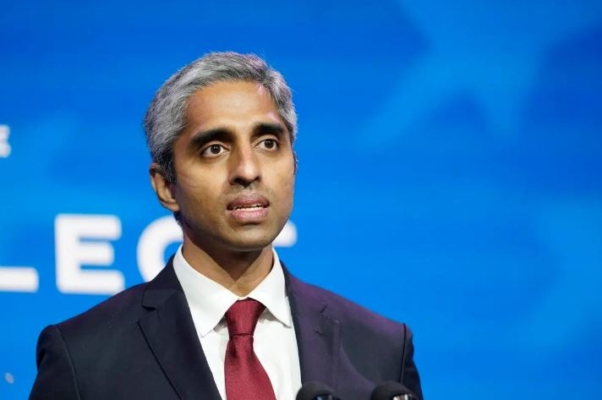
72, 252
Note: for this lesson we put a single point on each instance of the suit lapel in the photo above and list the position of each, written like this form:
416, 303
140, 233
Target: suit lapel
171, 335
318, 334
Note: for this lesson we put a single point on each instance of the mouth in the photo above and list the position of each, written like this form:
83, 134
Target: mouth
246, 207
248, 202
251, 208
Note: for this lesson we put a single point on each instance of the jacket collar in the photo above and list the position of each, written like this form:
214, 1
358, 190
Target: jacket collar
171, 335
317, 330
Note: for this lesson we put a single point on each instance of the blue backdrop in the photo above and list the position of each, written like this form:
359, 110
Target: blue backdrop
450, 171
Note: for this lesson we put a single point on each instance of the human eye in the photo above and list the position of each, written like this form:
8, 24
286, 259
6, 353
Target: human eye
213, 150
269, 144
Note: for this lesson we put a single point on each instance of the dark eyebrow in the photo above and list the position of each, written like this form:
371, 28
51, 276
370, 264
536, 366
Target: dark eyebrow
201, 138
267, 128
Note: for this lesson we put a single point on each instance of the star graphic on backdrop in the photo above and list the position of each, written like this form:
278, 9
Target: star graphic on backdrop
489, 51
572, 233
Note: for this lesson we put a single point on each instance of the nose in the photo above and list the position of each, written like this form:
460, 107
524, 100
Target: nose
244, 167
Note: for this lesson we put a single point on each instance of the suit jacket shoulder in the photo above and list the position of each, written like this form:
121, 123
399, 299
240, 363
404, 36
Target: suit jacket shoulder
125, 348
354, 313
112, 314
371, 348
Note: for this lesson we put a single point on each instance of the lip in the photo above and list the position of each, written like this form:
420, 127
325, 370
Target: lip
249, 208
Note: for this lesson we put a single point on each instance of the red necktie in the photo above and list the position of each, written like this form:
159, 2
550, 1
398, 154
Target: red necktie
245, 377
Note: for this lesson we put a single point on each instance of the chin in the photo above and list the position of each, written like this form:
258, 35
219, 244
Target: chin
252, 241
250, 245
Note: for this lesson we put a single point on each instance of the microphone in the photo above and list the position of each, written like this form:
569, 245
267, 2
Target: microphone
316, 391
391, 390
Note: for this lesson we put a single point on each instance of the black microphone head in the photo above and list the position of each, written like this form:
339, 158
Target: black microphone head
388, 390
314, 391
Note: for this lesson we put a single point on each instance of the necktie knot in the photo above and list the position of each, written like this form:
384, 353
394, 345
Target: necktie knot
242, 317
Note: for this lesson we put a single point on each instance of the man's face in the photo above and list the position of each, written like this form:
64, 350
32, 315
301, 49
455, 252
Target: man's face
235, 168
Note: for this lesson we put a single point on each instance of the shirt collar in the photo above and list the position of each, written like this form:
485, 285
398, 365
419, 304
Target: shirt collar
209, 301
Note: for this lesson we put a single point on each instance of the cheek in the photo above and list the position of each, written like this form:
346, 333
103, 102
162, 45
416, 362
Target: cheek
285, 178
286, 189
199, 193
286, 173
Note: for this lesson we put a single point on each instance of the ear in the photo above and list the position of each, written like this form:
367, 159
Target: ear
164, 189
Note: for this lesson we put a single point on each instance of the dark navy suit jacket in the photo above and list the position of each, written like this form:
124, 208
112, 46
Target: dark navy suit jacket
142, 344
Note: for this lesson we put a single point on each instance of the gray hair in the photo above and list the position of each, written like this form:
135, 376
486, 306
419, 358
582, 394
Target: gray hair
165, 118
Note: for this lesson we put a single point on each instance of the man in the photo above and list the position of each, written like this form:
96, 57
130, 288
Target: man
224, 318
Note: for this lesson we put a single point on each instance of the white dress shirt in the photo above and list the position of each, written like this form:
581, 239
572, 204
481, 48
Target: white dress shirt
275, 342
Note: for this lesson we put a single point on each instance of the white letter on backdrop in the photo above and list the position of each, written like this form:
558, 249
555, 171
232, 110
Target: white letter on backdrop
72, 252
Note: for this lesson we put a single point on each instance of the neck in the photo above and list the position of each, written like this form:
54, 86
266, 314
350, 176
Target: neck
238, 271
